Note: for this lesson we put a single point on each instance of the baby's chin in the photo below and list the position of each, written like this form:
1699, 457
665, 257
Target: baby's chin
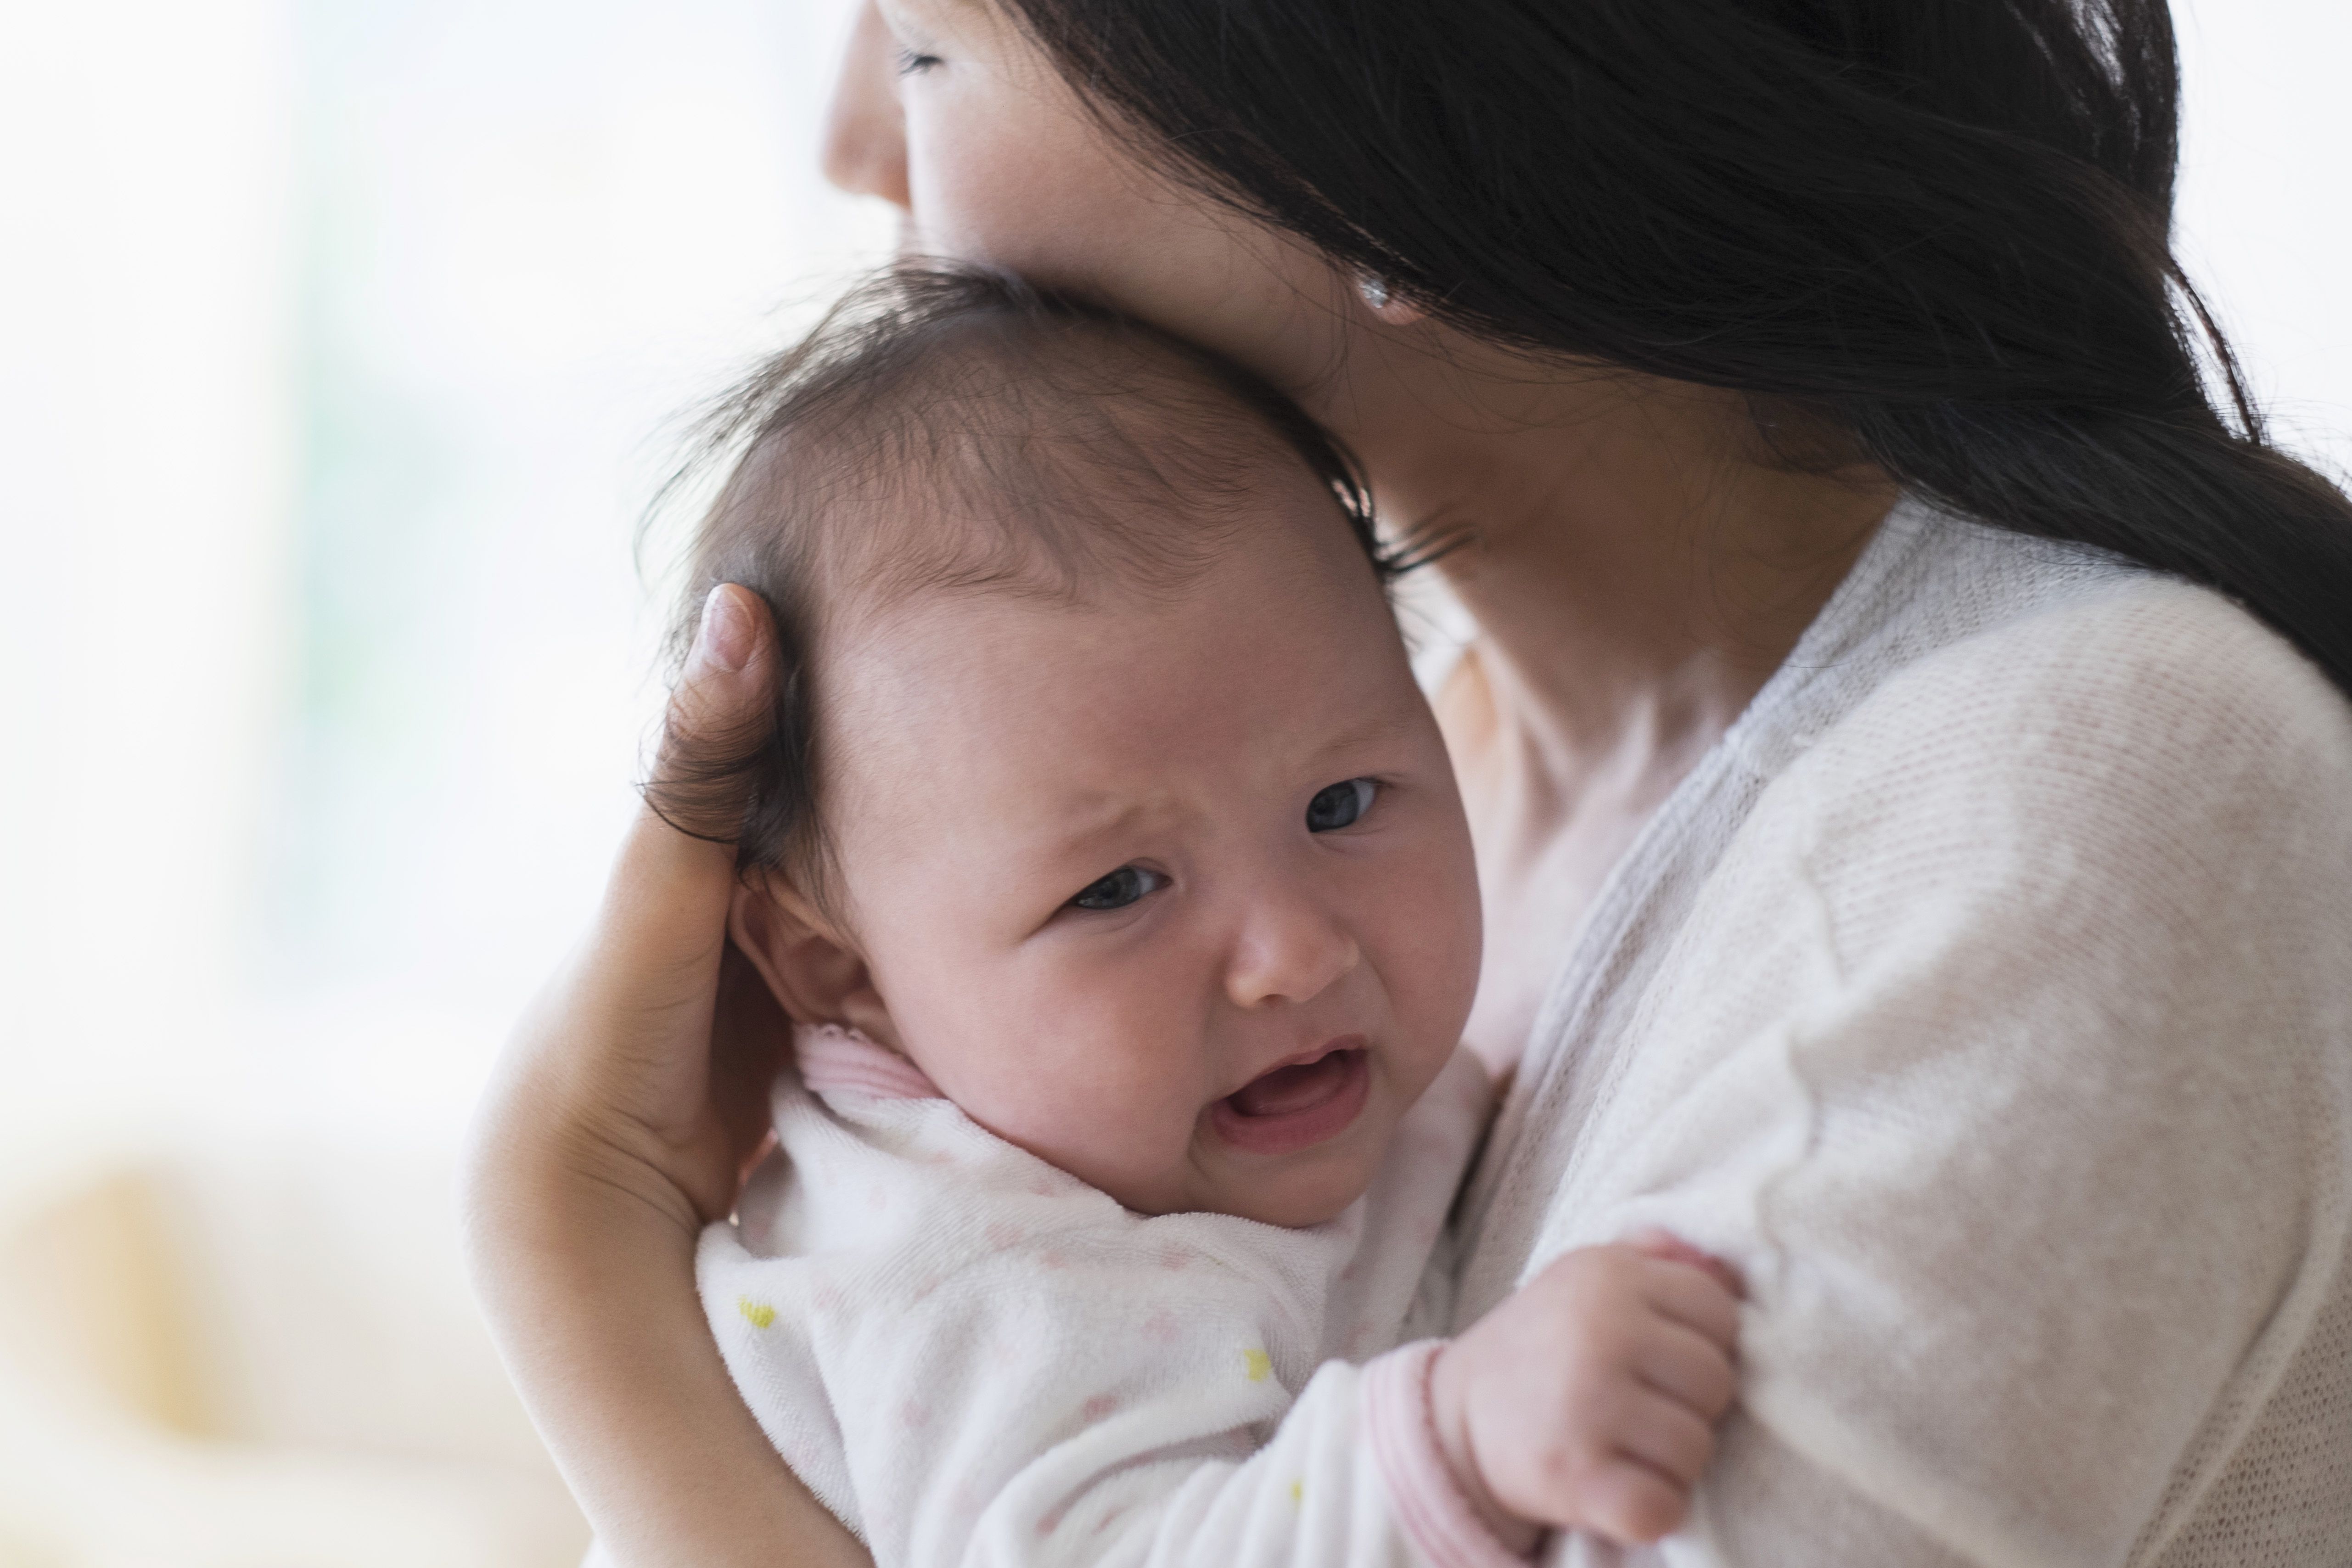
1292, 1204
1309, 1204
1296, 1192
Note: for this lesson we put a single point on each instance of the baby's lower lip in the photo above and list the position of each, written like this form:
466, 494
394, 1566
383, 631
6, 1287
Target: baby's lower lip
1295, 1107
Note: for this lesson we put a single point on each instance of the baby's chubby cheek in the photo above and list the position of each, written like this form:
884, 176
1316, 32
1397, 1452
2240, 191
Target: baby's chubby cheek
1422, 933
1115, 1109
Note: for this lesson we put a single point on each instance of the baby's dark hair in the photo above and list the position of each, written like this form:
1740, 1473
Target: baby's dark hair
949, 429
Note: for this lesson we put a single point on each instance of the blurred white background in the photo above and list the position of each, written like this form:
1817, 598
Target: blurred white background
338, 344
338, 339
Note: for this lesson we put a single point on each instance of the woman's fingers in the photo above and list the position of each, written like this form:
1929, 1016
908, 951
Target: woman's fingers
644, 1059
648, 977
721, 705
749, 1037
670, 889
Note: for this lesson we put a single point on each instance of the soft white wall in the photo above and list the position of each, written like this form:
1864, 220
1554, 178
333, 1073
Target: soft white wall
335, 336
338, 339
532, 232
145, 464
2265, 211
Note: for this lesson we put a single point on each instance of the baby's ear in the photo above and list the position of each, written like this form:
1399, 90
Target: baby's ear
816, 975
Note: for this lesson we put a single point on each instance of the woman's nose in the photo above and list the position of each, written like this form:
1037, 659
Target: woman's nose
1289, 950
865, 130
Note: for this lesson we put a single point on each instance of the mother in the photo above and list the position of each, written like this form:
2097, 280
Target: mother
1906, 737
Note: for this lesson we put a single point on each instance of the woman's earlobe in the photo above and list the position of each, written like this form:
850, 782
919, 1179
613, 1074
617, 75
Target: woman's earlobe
814, 974
1380, 298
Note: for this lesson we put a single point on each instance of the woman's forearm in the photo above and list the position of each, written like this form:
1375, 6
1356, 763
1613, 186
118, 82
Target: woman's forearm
622, 1114
595, 1312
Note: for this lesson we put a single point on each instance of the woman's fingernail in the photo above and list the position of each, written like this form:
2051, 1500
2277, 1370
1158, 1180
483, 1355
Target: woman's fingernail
725, 638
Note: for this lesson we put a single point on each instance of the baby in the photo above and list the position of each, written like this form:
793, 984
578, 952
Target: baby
1111, 862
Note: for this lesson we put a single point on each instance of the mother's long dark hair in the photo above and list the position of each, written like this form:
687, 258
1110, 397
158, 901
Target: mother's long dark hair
1942, 226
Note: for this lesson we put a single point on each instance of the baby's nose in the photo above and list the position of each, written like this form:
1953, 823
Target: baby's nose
1288, 950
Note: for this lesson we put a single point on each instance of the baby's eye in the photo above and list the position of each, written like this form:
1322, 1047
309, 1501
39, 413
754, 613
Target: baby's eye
1339, 804
911, 63
1118, 889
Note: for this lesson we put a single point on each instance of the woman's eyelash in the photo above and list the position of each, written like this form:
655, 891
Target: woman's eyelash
911, 62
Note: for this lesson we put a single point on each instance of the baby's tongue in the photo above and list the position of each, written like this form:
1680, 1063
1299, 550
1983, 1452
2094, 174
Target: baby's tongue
1286, 1089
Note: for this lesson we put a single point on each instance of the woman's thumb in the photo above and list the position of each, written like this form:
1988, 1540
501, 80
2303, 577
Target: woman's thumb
721, 717
669, 894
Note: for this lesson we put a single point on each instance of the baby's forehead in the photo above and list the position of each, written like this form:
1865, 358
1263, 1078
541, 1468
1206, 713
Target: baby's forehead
1012, 703
1061, 484
1123, 491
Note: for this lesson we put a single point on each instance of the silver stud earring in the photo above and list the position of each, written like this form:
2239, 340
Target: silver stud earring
1374, 289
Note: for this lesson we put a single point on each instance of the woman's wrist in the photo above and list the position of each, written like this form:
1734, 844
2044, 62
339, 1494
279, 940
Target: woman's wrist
546, 1221
585, 1271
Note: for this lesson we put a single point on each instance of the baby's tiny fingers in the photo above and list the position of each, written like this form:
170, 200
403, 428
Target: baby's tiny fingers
1664, 1434
1687, 1366
1660, 1243
1692, 1297
1632, 1503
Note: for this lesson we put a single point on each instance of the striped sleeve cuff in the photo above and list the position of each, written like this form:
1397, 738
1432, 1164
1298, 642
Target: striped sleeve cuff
1401, 1425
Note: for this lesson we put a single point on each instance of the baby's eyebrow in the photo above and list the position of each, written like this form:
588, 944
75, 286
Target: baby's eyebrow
1087, 817
1105, 814
1379, 727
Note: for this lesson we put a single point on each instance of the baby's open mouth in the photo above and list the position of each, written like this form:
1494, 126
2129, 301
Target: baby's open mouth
1296, 1106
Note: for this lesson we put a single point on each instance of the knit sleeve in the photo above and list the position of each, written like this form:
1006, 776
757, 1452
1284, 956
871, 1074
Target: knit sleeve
2009, 1050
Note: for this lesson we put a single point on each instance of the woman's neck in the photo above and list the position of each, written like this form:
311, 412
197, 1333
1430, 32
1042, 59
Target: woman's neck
1639, 564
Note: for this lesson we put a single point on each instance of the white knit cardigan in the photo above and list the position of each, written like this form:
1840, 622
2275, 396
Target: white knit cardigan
1987, 994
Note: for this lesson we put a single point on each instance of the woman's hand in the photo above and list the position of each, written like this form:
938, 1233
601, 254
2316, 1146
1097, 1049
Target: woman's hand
640, 1072
1588, 1399
621, 1118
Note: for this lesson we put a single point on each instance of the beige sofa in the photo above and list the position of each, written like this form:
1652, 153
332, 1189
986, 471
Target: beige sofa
257, 1356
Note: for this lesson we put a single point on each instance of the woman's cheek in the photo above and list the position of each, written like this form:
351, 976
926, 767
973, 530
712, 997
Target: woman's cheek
988, 168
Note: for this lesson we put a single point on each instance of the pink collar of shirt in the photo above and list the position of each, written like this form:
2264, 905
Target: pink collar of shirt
835, 1060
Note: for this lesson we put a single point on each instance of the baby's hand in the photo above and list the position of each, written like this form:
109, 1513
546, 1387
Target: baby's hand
1587, 1400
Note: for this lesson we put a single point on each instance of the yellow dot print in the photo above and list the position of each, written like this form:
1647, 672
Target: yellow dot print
1257, 1364
759, 1314
1297, 1493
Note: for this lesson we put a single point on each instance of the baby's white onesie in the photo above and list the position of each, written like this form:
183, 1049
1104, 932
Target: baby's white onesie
973, 1358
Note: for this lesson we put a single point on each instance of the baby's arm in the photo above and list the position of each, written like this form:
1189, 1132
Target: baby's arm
1588, 1399
940, 1330
982, 1361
